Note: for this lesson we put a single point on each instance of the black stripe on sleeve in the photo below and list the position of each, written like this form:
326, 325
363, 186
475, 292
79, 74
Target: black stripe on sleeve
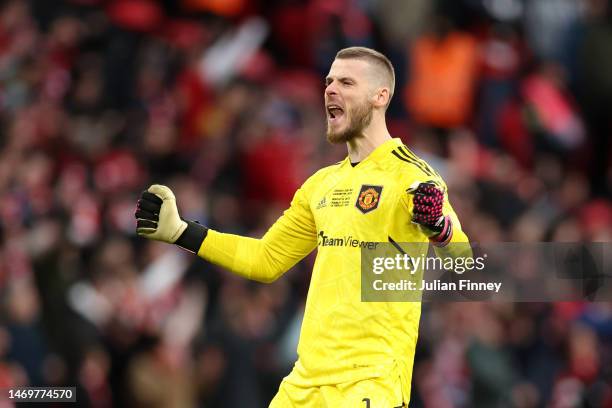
396, 245
410, 153
412, 161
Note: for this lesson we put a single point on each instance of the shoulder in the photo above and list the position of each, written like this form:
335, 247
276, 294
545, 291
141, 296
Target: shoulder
317, 180
409, 167
322, 174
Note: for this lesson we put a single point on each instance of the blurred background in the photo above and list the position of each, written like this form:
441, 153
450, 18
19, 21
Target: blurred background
510, 100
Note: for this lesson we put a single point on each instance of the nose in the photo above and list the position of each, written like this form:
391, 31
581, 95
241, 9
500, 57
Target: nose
331, 89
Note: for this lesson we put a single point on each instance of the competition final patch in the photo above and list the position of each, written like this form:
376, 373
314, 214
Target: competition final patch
368, 198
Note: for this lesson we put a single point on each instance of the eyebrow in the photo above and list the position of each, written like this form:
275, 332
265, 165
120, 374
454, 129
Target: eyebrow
328, 79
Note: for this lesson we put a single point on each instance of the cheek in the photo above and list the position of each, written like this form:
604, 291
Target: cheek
357, 104
351, 103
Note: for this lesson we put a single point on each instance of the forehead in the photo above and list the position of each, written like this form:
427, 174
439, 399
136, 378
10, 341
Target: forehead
350, 68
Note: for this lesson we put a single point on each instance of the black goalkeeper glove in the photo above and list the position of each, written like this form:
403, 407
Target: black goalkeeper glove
158, 219
428, 203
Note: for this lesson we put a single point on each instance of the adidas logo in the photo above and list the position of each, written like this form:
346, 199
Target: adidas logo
322, 203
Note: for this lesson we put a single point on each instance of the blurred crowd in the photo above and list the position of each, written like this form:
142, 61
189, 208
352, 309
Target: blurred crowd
222, 100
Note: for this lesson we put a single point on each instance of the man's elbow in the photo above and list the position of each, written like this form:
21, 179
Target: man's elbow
268, 276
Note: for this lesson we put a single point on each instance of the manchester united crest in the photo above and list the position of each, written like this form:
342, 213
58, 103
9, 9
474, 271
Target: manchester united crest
368, 198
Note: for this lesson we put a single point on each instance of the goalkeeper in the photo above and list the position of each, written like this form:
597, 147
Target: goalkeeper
350, 353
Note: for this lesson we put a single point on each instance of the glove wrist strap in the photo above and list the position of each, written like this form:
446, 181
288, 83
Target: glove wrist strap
191, 239
445, 235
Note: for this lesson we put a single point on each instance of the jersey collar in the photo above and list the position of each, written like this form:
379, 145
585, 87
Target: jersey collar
379, 153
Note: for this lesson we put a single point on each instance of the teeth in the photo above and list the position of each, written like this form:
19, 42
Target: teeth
334, 110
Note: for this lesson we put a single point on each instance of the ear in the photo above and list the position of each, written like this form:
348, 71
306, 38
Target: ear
381, 97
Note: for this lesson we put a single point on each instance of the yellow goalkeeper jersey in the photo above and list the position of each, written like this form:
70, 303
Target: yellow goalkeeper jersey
339, 210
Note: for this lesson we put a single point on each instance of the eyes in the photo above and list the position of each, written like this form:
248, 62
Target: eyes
343, 81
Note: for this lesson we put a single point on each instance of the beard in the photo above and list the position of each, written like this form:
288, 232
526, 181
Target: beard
360, 117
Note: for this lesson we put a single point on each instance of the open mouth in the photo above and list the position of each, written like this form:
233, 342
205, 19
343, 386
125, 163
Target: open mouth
334, 112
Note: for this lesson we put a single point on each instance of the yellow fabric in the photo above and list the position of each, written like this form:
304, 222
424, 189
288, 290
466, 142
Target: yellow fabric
381, 392
343, 340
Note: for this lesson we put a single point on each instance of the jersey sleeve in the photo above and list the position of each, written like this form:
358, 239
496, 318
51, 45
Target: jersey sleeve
289, 239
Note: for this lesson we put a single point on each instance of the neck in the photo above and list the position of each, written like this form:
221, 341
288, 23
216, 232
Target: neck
373, 136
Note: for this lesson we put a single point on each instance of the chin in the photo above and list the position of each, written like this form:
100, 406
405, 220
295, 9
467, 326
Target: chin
334, 139
338, 137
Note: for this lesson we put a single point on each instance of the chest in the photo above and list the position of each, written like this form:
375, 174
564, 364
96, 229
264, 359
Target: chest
358, 205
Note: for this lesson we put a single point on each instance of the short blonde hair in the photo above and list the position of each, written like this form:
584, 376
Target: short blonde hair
373, 57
